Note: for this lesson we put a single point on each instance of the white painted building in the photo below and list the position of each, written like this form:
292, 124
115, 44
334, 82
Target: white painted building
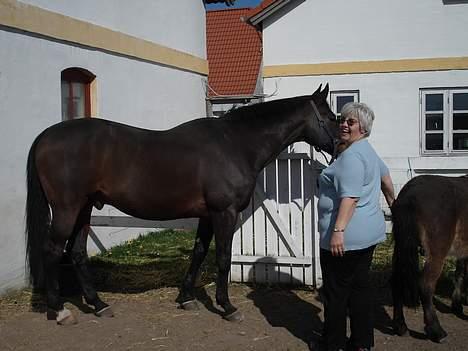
144, 64
408, 60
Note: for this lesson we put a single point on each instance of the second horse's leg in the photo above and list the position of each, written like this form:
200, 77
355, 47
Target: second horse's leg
223, 224
432, 269
457, 303
399, 324
200, 250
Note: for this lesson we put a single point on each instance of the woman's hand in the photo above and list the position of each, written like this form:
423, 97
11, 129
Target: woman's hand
337, 244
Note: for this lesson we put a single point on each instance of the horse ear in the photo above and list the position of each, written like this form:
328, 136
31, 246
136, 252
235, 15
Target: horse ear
318, 90
324, 92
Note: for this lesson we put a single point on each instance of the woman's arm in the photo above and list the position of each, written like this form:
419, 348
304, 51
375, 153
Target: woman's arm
345, 212
387, 189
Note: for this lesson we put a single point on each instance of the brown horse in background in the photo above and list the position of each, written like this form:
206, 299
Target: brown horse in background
205, 168
430, 213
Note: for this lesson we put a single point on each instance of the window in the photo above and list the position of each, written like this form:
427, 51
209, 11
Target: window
444, 121
340, 98
76, 93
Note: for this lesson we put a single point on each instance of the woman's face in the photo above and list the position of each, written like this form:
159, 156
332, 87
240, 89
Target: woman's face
350, 129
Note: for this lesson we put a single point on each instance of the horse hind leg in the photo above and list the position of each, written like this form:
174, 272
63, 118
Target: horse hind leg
200, 250
399, 324
459, 282
61, 230
79, 258
465, 282
431, 272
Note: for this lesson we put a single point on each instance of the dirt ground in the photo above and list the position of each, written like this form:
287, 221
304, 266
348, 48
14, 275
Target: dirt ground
275, 319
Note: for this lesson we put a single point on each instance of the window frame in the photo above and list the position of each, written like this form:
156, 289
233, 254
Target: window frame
336, 93
447, 115
72, 75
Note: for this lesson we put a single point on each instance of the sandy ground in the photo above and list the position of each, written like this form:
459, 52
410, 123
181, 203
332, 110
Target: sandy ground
275, 319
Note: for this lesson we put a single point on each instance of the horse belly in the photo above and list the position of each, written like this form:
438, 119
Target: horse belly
161, 204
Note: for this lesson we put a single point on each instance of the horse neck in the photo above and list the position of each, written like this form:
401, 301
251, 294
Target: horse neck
270, 132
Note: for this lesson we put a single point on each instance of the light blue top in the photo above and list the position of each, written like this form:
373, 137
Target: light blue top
357, 172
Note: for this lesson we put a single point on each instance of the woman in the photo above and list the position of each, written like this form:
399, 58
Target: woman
351, 223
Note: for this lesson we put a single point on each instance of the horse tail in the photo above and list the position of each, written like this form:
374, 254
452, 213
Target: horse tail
37, 221
405, 276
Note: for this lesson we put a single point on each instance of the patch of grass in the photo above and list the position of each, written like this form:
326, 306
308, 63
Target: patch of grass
162, 246
150, 261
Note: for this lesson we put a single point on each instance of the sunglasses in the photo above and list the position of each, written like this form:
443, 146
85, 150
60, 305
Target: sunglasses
349, 121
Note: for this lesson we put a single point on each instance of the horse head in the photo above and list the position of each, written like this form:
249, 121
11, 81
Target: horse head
322, 128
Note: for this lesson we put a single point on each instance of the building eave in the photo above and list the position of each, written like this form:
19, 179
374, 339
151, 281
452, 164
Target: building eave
267, 12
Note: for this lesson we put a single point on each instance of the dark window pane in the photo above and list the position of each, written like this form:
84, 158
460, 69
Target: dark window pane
434, 102
460, 121
460, 141
343, 100
434, 121
460, 101
435, 141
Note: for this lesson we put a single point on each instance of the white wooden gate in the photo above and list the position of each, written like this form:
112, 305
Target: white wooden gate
277, 241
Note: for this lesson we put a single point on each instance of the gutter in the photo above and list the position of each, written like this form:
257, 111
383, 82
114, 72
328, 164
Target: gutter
268, 11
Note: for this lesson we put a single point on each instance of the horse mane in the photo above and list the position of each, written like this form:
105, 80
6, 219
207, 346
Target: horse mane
264, 109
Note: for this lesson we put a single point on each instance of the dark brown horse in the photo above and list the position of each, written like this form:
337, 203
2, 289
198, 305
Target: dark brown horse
205, 168
431, 213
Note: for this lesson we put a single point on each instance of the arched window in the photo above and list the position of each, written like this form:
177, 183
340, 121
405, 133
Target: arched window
77, 93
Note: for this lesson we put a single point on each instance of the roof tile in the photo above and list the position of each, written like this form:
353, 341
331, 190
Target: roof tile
234, 50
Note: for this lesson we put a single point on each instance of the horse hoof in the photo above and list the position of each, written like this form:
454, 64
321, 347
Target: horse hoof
436, 335
65, 317
190, 305
457, 309
400, 328
401, 331
105, 312
235, 316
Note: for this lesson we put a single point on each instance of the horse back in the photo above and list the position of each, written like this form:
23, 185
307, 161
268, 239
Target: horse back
182, 172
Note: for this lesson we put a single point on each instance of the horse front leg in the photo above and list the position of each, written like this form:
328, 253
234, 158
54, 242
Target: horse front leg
224, 224
431, 272
200, 250
457, 296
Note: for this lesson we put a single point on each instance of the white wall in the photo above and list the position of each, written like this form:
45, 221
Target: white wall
355, 30
130, 91
177, 24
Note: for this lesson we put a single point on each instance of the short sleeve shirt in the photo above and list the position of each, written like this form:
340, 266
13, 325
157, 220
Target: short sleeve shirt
356, 173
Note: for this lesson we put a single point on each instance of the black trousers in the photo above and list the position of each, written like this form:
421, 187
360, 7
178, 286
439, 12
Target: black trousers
346, 287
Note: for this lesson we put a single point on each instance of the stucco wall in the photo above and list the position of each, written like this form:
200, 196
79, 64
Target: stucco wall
129, 90
177, 24
340, 31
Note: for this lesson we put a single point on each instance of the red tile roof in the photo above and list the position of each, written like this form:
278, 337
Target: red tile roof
234, 50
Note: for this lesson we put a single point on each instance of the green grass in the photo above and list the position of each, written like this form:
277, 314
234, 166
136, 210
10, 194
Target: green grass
161, 259
151, 261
